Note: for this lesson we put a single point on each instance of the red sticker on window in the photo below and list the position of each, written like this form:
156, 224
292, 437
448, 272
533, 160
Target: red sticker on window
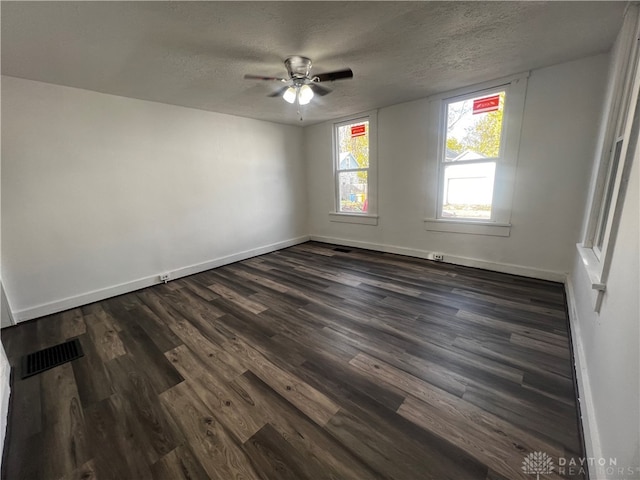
486, 104
358, 130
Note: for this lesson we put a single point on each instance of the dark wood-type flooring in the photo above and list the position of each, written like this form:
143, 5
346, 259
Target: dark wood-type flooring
306, 363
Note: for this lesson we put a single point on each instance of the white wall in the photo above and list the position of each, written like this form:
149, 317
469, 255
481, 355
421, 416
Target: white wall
558, 136
102, 193
608, 341
5, 368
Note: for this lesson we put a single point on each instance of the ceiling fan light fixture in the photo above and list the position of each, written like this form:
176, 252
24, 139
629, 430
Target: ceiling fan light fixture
290, 95
301, 87
305, 95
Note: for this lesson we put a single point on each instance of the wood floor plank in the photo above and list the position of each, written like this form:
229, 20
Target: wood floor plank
237, 413
206, 344
274, 458
232, 296
540, 345
400, 459
471, 318
116, 453
179, 464
338, 382
490, 440
496, 300
105, 336
163, 337
198, 307
393, 376
515, 356
159, 371
129, 301
24, 470
533, 416
307, 399
91, 377
100, 310
313, 445
197, 288
215, 449
309, 362
181, 320
259, 333
63, 423
72, 323
238, 270
87, 471
155, 433
550, 385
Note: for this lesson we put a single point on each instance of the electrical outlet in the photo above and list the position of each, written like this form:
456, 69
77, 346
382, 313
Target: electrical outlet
438, 257
165, 277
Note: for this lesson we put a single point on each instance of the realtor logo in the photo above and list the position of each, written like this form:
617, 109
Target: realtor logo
537, 463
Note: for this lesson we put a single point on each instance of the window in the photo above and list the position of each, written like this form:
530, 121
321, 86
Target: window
605, 208
354, 158
353, 166
472, 147
476, 146
617, 140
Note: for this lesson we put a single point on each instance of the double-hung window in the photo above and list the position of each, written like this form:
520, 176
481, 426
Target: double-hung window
354, 142
472, 148
475, 142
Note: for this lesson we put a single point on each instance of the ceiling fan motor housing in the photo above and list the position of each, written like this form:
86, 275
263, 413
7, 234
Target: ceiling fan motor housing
298, 67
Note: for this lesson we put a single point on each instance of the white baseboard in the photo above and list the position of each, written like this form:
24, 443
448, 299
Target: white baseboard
585, 397
120, 289
457, 260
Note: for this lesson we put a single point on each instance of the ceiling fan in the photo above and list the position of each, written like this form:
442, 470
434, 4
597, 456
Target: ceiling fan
301, 84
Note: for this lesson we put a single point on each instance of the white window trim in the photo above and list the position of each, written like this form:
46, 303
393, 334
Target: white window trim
371, 217
359, 218
500, 222
621, 122
472, 227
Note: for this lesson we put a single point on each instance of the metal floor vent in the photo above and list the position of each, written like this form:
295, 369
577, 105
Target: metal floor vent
43, 360
342, 250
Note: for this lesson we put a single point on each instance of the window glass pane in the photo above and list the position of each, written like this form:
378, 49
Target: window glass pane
474, 128
468, 190
608, 195
353, 146
353, 191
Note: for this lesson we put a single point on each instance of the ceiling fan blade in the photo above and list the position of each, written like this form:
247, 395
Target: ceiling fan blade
261, 77
279, 92
319, 89
337, 75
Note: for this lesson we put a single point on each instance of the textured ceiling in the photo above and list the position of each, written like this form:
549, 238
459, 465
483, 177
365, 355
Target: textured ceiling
195, 53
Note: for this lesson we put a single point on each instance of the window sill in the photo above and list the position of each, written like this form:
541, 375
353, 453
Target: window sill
358, 218
470, 227
592, 267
